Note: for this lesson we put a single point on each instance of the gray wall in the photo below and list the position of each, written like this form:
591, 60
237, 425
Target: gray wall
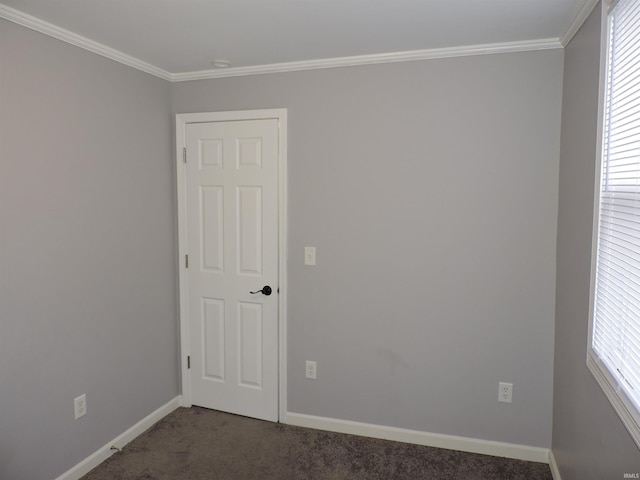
87, 276
430, 191
589, 441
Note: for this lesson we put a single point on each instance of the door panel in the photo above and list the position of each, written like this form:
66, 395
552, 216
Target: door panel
212, 208
250, 230
213, 338
249, 335
232, 241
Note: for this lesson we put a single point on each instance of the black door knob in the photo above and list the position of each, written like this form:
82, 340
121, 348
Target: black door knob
266, 290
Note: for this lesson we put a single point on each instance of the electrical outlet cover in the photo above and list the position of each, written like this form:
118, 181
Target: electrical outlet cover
505, 392
311, 367
80, 406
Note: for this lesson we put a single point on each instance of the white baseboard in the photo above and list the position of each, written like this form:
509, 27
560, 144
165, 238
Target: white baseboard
120, 441
464, 444
555, 473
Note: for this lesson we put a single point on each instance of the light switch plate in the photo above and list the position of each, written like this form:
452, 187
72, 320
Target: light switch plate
310, 256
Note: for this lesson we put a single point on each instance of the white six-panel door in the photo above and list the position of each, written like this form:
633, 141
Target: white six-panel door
231, 206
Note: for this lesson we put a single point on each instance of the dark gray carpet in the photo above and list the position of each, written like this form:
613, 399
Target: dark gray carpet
198, 444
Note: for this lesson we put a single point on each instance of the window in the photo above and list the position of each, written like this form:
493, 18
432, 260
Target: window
614, 353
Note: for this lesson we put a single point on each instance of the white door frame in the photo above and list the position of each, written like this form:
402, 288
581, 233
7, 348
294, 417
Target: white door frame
181, 122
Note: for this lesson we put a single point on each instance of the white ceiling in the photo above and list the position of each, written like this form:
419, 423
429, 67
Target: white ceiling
179, 36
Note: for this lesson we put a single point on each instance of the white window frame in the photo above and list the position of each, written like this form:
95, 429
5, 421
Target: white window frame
610, 384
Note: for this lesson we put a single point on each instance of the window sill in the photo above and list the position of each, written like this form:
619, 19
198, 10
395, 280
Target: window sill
621, 404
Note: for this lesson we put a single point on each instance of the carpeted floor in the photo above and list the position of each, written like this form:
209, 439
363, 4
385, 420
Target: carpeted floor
200, 444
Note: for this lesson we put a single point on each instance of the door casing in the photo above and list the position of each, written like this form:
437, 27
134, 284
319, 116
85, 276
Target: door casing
181, 121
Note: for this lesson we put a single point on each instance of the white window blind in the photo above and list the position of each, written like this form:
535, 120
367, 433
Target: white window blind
616, 308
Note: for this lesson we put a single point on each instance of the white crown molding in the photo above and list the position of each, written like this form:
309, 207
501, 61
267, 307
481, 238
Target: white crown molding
54, 31
487, 49
582, 16
59, 33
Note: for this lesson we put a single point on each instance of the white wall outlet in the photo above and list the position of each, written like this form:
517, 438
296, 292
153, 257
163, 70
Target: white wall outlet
311, 369
310, 256
80, 406
505, 392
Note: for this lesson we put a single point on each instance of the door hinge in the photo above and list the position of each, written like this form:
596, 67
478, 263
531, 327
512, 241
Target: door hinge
184, 154
186, 261
188, 361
